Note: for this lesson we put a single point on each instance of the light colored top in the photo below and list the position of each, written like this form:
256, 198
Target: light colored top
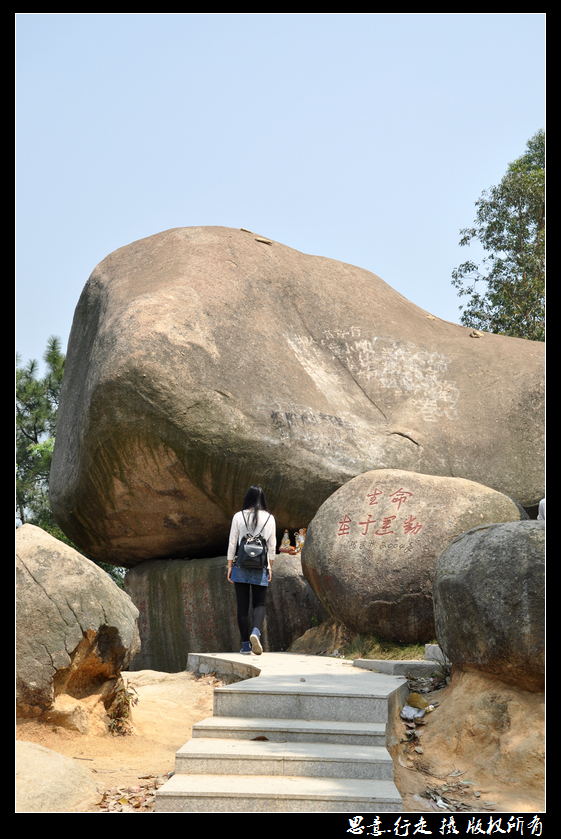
239, 530
541, 510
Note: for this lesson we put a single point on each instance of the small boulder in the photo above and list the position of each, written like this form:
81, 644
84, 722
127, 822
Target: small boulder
371, 550
48, 782
76, 630
489, 596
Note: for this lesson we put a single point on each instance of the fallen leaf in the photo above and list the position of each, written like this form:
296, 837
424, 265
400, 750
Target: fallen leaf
415, 700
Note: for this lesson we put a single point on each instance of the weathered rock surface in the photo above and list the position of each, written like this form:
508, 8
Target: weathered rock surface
48, 782
75, 631
203, 360
326, 639
189, 606
489, 596
372, 547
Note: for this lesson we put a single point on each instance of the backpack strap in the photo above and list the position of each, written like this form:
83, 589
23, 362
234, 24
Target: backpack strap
247, 528
268, 517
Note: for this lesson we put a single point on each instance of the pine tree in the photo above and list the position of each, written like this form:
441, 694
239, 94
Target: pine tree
36, 412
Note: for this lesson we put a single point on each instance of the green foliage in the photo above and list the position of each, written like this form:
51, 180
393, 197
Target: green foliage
36, 412
37, 401
510, 225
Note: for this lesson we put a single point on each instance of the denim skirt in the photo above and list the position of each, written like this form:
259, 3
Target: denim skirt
250, 575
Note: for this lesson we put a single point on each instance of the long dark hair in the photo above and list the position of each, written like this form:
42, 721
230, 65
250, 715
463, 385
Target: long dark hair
254, 499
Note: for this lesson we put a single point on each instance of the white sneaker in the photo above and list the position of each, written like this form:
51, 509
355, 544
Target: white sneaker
255, 639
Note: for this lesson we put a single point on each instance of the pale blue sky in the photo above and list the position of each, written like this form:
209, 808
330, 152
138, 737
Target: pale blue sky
361, 137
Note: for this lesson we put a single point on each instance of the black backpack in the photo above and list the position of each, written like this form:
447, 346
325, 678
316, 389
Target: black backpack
252, 552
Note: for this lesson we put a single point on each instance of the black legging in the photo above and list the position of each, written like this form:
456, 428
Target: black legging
242, 598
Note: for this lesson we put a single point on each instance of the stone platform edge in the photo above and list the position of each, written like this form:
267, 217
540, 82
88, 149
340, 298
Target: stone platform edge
224, 665
409, 668
213, 663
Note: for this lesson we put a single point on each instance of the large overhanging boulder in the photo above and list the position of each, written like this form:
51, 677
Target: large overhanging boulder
204, 360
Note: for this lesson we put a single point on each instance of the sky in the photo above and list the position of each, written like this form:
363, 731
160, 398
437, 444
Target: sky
366, 138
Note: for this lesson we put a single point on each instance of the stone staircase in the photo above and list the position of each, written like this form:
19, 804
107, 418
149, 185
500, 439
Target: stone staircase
291, 742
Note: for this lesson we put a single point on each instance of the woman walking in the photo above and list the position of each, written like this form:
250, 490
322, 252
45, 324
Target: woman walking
253, 520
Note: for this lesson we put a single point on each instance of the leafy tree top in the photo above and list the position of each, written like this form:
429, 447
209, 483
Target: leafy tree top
510, 226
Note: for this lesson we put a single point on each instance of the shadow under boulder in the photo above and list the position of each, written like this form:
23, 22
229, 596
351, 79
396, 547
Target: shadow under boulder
188, 606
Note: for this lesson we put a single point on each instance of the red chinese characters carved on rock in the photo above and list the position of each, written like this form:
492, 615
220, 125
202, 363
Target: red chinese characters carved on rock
374, 496
367, 524
344, 526
399, 497
386, 524
409, 527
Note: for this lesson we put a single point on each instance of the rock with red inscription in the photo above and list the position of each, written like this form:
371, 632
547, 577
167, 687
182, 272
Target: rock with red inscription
371, 550
203, 360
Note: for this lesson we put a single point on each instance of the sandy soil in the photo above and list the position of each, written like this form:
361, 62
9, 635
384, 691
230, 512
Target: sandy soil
481, 749
167, 707
471, 769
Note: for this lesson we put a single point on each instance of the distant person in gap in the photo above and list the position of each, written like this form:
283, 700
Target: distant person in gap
252, 521
541, 510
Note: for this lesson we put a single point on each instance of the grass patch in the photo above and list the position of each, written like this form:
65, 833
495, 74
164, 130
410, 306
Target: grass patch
370, 646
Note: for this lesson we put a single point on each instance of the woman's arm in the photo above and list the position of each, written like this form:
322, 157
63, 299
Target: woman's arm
232, 545
271, 544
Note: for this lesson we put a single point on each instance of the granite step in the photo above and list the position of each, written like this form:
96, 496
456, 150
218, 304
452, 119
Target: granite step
309, 737
295, 731
276, 794
213, 756
313, 698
